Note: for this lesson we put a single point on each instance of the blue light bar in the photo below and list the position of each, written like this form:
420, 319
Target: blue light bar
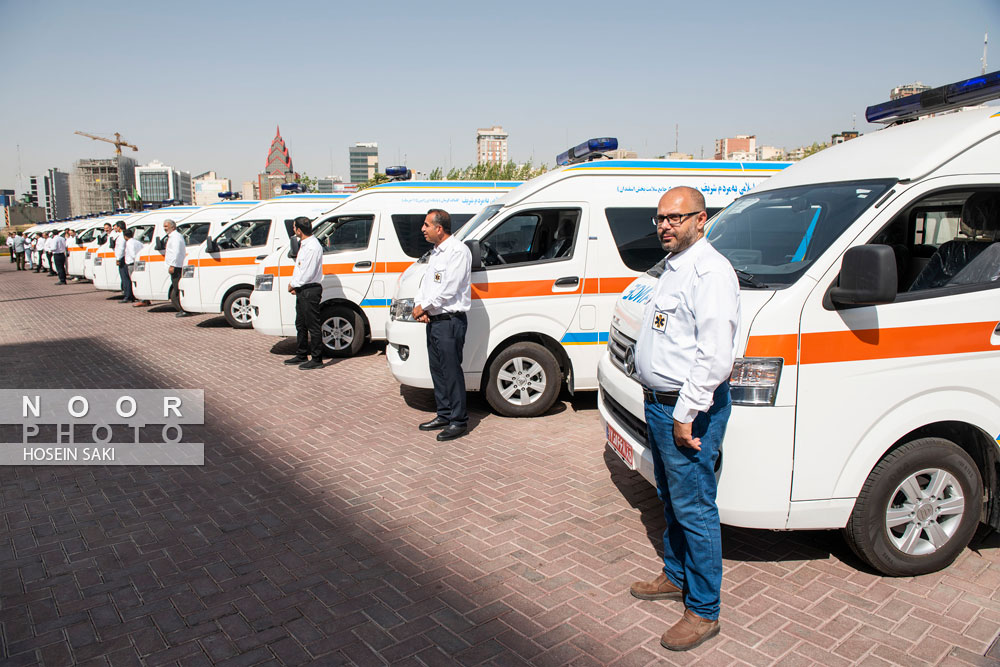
944, 98
396, 171
588, 150
292, 187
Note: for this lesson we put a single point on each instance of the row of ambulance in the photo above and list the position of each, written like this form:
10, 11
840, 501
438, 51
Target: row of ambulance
865, 394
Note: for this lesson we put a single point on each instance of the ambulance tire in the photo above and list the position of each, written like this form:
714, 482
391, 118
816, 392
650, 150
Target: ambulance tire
524, 381
343, 331
928, 489
236, 309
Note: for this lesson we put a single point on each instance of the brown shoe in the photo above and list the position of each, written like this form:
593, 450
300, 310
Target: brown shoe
691, 631
658, 589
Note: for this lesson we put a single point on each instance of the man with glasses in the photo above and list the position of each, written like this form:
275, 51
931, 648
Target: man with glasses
683, 358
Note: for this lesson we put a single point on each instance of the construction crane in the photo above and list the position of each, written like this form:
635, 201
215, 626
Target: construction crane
117, 141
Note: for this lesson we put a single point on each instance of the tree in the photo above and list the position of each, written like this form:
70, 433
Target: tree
306, 181
374, 180
493, 171
815, 148
435, 174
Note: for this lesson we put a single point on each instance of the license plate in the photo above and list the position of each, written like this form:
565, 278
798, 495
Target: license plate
623, 449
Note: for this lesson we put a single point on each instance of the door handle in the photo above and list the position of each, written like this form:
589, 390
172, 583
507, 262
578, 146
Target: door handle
261, 256
363, 265
570, 281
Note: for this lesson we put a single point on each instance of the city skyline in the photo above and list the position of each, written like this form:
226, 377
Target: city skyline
740, 71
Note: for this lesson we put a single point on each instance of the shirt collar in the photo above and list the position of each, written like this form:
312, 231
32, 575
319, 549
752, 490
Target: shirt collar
678, 260
441, 246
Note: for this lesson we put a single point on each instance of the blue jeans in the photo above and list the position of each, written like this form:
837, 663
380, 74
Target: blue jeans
685, 482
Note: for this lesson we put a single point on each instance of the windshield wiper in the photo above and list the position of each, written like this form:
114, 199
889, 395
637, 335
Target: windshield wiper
748, 279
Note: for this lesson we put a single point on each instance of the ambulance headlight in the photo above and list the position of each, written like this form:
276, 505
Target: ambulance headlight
264, 282
99, 261
402, 310
139, 266
755, 381
88, 255
188, 271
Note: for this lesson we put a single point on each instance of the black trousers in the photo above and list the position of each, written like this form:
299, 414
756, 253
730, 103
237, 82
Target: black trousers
126, 281
59, 259
52, 268
175, 291
445, 342
307, 324
19, 260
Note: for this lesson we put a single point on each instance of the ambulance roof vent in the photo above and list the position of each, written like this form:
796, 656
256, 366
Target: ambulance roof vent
944, 98
591, 149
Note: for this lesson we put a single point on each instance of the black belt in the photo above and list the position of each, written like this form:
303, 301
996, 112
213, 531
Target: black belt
307, 286
661, 397
444, 316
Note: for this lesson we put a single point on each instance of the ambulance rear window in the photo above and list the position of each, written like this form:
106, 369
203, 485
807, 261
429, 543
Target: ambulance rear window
411, 239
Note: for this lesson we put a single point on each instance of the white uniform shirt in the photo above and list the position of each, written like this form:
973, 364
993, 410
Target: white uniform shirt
176, 250
10, 241
119, 243
308, 263
447, 283
48, 243
58, 245
132, 250
687, 341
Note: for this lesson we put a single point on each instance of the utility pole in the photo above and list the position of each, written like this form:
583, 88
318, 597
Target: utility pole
677, 137
986, 40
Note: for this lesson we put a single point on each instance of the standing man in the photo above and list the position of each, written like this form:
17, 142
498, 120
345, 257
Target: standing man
444, 298
49, 245
10, 246
132, 249
119, 244
36, 249
306, 287
174, 255
59, 257
18, 248
683, 358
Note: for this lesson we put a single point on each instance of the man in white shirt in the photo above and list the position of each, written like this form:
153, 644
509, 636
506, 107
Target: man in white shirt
683, 358
49, 245
59, 257
119, 245
444, 298
10, 247
174, 255
36, 251
130, 255
305, 285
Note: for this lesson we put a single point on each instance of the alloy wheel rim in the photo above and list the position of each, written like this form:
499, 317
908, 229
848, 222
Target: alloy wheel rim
924, 511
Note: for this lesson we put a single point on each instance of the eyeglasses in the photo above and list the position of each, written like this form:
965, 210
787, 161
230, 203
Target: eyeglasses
674, 219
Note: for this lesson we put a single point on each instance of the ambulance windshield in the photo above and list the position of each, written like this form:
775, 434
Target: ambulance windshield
773, 237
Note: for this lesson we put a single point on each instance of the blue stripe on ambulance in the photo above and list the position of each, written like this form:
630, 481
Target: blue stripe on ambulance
585, 338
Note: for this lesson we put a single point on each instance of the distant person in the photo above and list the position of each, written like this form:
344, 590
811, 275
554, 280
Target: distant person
126, 284
36, 251
444, 298
50, 242
306, 287
59, 257
18, 247
10, 247
132, 249
174, 255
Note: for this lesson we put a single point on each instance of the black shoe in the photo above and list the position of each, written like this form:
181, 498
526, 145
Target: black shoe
61, 282
182, 314
451, 432
312, 363
434, 424
296, 360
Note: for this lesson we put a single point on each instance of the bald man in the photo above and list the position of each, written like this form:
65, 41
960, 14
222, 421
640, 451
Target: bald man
684, 356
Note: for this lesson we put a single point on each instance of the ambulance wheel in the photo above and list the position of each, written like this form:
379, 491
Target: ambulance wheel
343, 331
237, 309
524, 381
918, 509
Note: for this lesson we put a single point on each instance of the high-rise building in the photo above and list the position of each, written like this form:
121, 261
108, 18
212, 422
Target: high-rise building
101, 184
277, 169
207, 187
740, 147
491, 145
907, 90
51, 192
364, 161
157, 183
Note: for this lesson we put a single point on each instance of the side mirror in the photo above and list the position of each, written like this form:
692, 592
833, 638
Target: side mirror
867, 277
161, 244
211, 245
293, 247
477, 254
102, 239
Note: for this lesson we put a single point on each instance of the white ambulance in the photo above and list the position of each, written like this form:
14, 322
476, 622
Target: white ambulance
549, 261
219, 275
106, 275
150, 278
76, 250
368, 241
865, 394
99, 238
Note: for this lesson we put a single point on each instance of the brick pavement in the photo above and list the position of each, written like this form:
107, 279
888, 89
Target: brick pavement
325, 528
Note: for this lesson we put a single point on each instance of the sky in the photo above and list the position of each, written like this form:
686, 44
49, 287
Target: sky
202, 85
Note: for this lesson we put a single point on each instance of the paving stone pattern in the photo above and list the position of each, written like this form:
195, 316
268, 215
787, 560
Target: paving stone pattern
324, 528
